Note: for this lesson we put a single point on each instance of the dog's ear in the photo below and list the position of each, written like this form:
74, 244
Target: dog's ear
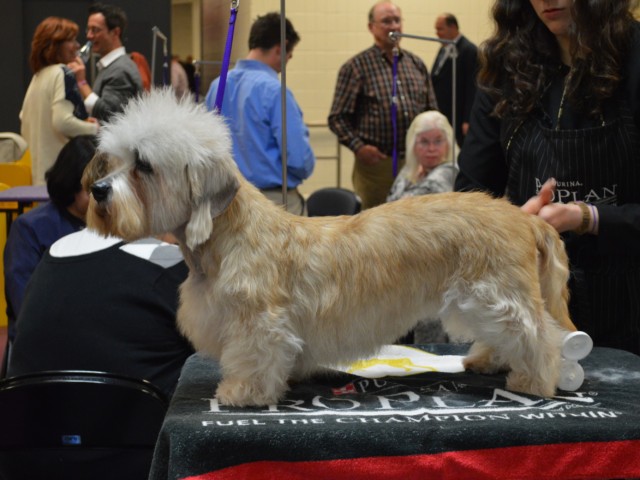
212, 191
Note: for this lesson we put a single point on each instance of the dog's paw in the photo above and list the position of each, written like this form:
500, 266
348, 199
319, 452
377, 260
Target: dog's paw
481, 364
236, 393
520, 382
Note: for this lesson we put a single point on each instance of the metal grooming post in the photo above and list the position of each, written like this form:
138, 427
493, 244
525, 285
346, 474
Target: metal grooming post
454, 55
165, 51
283, 97
197, 75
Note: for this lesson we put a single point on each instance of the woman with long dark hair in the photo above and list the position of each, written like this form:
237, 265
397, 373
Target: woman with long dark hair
556, 128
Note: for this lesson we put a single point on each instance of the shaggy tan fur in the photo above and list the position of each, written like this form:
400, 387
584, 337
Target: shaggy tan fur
273, 296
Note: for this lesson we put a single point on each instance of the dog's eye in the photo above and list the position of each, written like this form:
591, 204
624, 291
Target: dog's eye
143, 166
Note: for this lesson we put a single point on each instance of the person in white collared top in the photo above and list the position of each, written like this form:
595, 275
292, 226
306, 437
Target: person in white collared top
98, 303
118, 78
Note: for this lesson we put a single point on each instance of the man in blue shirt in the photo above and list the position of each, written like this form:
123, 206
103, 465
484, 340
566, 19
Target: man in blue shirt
252, 107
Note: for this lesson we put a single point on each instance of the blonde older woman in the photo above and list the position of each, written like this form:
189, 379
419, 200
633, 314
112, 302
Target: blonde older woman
429, 168
429, 164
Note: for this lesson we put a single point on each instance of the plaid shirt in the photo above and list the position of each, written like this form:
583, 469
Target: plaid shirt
361, 110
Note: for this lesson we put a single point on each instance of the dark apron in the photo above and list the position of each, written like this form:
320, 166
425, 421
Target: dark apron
598, 165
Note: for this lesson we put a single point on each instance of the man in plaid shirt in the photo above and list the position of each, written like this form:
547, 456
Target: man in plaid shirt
361, 111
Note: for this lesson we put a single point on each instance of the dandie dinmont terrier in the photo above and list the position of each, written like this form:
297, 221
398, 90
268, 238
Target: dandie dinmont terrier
274, 296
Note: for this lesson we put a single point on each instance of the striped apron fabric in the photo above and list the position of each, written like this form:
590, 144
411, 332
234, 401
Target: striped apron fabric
599, 165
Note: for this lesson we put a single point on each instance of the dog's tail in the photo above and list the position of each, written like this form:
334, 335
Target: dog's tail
553, 272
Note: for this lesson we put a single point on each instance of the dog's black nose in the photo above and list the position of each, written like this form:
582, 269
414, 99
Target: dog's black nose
101, 191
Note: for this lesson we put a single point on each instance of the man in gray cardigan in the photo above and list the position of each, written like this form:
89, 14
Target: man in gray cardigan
118, 77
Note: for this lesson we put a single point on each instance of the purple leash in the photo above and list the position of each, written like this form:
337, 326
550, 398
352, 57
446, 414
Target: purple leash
227, 56
196, 84
394, 111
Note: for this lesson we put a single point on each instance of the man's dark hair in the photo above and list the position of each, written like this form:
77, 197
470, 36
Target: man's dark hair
113, 16
63, 178
265, 32
451, 20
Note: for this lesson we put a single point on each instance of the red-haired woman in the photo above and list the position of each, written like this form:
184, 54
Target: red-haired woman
53, 111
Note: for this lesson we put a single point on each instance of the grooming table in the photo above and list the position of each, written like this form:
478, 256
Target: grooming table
431, 425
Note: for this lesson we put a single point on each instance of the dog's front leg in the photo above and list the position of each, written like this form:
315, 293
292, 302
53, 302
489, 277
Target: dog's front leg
256, 362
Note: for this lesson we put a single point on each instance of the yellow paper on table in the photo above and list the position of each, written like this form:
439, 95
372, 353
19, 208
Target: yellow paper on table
400, 361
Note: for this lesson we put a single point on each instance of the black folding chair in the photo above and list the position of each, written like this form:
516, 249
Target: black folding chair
332, 201
78, 425
4, 366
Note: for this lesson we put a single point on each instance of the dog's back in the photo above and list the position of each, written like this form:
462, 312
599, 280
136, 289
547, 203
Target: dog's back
403, 256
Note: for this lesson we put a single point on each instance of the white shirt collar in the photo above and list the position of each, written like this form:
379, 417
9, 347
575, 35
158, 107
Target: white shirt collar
111, 56
87, 241
80, 243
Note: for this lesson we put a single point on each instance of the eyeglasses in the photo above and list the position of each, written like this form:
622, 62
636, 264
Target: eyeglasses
94, 30
388, 21
423, 143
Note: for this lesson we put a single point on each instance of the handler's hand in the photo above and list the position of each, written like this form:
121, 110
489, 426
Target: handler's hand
561, 216
369, 155
544, 197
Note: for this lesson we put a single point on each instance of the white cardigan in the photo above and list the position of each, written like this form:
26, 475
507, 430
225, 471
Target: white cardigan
48, 121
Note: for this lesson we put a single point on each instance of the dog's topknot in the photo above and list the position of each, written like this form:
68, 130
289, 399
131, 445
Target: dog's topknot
148, 125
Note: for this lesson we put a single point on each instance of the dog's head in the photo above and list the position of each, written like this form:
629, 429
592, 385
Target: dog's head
161, 166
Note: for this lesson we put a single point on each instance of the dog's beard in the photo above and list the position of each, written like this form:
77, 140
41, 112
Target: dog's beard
123, 214
98, 217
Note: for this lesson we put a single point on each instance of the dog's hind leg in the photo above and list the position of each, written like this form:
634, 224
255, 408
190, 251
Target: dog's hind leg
256, 362
535, 359
512, 330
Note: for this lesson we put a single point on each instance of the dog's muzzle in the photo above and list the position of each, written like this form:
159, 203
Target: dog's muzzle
101, 191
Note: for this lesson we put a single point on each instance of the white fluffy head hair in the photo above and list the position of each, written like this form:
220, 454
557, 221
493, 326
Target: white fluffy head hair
161, 146
154, 119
